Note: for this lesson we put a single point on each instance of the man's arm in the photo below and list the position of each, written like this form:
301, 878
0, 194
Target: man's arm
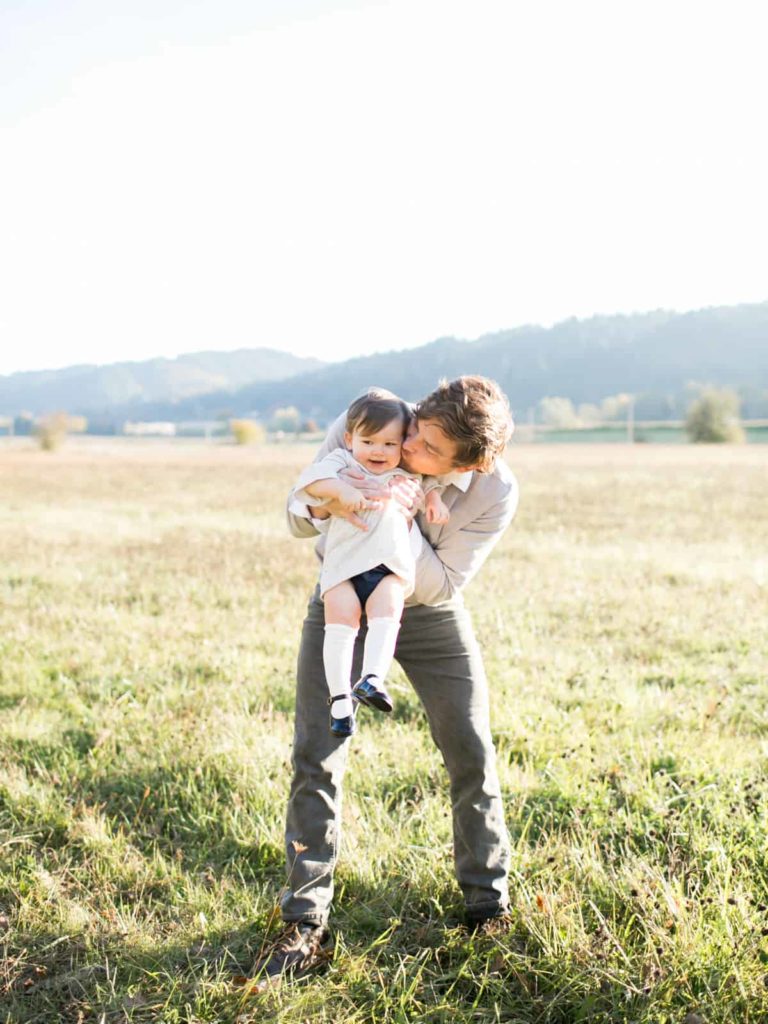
442, 571
299, 524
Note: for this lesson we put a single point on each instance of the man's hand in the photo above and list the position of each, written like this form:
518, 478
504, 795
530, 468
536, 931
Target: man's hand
404, 490
369, 486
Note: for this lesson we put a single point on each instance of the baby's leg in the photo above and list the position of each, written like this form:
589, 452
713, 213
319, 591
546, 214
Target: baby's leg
384, 609
342, 605
387, 599
342, 621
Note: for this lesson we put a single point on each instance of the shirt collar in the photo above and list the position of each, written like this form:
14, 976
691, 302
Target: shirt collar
460, 480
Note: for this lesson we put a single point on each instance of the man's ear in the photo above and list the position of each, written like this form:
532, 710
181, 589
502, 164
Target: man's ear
464, 469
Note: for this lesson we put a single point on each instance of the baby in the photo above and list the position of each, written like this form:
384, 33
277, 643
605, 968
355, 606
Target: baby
370, 568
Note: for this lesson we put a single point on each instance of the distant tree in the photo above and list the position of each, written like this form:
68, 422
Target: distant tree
247, 431
51, 430
651, 406
24, 424
558, 412
754, 403
309, 427
103, 425
614, 406
589, 415
288, 420
714, 417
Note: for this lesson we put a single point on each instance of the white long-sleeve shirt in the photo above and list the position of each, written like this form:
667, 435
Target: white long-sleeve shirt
348, 549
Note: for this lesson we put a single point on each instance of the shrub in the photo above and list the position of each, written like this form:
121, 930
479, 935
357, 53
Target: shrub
77, 424
714, 417
247, 431
51, 430
558, 412
288, 420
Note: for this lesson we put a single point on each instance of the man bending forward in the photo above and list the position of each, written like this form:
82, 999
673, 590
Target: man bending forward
458, 435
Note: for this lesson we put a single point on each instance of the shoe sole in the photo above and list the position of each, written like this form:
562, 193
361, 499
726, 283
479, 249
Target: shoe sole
262, 986
379, 703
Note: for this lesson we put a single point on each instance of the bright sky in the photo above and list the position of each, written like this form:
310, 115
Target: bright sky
337, 178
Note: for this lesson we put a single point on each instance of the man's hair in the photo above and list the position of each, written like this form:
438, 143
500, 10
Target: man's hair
474, 413
372, 411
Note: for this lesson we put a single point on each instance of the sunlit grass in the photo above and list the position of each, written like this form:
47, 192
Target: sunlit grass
150, 609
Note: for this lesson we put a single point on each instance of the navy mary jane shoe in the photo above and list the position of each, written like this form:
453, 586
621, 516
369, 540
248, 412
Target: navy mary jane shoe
345, 726
372, 695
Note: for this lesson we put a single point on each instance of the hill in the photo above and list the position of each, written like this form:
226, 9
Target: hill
657, 356
101, 389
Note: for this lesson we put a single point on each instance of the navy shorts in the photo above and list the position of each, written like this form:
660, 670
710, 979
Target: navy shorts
366, 582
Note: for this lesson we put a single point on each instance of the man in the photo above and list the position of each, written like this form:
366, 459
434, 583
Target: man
458, 435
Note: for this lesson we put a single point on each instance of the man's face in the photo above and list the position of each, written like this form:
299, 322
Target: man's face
427, 449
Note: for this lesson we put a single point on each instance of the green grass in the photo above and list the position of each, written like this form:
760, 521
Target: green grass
150, 607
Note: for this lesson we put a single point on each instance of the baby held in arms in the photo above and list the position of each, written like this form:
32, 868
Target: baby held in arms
368, 564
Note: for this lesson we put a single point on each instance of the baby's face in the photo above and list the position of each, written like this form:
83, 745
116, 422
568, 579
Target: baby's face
380, 451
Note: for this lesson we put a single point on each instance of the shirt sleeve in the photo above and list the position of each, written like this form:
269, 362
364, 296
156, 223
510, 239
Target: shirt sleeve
444, 570
303, 511
301, 523
431, 483
327, 468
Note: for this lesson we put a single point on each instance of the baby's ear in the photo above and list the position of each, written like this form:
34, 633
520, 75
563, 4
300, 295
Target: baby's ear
347, 440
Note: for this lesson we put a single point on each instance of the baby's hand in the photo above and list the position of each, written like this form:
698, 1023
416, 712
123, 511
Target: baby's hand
437, 511
408, 494
352, 500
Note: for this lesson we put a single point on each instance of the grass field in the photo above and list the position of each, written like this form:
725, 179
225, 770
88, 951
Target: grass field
151, 605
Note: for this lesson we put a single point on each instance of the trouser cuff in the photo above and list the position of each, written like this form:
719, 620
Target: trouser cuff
317, 920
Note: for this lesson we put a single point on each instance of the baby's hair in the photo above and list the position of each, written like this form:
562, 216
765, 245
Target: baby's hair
372, 411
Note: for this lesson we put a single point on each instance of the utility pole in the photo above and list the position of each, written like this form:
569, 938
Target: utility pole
631, 420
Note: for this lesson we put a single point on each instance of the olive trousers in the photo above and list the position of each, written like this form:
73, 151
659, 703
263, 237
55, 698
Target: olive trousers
438, 652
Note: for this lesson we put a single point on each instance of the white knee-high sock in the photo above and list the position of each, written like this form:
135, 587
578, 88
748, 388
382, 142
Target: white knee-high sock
380, 643
338, 652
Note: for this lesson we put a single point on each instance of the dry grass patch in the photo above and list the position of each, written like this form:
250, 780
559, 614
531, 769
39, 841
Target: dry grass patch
150, 607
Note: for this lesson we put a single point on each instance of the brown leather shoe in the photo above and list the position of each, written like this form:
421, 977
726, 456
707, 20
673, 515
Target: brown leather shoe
300, 948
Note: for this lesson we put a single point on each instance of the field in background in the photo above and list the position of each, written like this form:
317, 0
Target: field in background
151, 603
755, 432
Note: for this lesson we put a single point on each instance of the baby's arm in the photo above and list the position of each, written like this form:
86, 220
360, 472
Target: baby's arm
436, 510
331, 488
320, 484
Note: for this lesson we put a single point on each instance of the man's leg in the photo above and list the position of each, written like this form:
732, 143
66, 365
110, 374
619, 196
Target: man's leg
313, 824
438, 652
